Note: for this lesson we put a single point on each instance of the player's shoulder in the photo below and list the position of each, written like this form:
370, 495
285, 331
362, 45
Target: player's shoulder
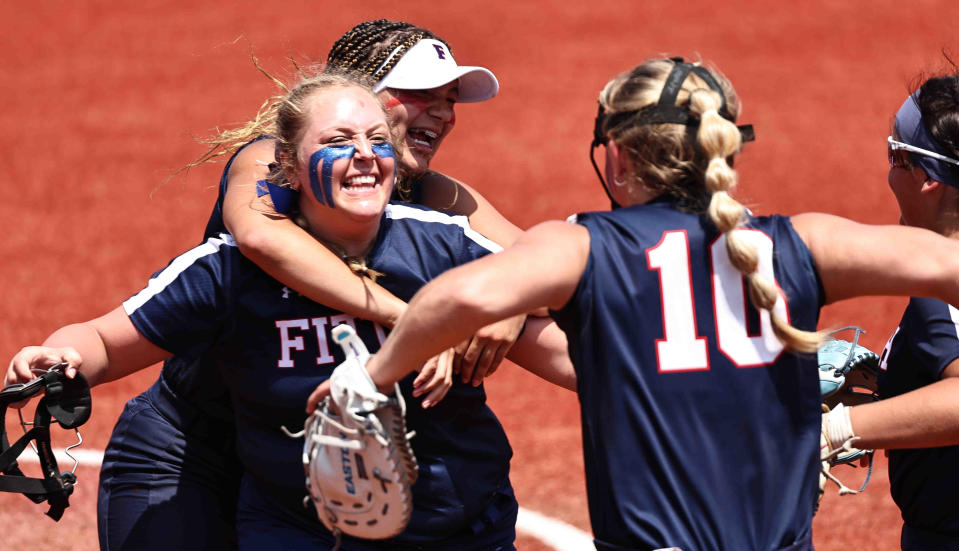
418, 219
778, 227
927, 308
416, 213
767, 220
220, 244
645, 219
413, 216
214, 253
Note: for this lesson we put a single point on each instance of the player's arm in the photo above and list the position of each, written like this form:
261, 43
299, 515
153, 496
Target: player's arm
866, 260
290, 254
477, 357
923, 418
542, 269
103, 349
543, 351
442, 192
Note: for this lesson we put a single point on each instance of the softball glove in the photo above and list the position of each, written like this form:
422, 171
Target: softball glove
359, 465
847, 372
847, 377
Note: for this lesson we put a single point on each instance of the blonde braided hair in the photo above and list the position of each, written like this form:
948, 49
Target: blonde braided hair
693, 164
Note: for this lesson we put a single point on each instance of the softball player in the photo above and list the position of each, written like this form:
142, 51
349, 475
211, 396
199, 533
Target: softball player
686, 318
273, 347
169, 460
419, 81
921, 360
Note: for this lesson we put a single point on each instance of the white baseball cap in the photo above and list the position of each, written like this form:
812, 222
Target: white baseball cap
429, 64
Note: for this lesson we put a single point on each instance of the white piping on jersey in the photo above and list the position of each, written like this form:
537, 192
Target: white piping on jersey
160, 282
397, 212
954, 314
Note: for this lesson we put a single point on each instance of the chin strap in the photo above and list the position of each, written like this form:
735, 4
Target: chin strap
68, 402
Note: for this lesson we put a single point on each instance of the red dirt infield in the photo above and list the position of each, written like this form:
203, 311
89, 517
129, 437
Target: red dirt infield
101, 102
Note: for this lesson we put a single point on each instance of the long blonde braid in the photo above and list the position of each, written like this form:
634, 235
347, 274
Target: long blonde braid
693, 164
720, 140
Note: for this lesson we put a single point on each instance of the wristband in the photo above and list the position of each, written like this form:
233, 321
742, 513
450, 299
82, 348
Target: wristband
837, 426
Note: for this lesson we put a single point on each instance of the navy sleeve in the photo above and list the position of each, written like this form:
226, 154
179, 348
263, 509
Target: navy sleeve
934, 335
182, 308
215, 224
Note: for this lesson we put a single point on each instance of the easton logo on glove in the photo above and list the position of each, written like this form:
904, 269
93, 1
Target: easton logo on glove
356, 452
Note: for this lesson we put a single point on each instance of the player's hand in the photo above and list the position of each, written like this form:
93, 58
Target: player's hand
30, 361
480, 356
319, 393
435, 379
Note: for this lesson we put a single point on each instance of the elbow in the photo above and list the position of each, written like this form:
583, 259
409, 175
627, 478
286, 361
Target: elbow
466, 298
463, 296
255, 243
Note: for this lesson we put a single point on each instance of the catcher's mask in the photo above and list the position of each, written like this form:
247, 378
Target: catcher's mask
68, 402
665, 111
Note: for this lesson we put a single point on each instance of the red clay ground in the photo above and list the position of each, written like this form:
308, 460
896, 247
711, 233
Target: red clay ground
101, 100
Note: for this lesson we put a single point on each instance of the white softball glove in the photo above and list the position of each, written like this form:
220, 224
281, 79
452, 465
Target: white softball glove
356, 453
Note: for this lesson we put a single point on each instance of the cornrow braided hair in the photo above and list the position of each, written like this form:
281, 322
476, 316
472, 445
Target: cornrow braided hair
362, 49
374, 47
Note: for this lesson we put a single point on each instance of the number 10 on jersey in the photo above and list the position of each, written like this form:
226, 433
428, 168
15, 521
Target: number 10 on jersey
683, 347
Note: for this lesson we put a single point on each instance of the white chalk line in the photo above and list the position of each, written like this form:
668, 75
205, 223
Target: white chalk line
554, 533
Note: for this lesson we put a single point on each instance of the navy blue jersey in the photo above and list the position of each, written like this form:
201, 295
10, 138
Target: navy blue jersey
924, 482
273, 347
699, 431
215, 225
186, 376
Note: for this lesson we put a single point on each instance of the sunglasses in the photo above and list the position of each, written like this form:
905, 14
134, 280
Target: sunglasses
897, 159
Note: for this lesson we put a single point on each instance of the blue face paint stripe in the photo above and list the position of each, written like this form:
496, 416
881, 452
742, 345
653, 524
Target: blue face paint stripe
322, 183
383, 150
326, 156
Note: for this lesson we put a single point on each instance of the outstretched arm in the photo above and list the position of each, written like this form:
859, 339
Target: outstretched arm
480, 355
103, 349
544, 352
542, 269
865, 260
290, 254
889, 260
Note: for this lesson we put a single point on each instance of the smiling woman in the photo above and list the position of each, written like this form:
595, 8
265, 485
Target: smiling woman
419, 81
212, 309
147, 483
345, 216
425, 118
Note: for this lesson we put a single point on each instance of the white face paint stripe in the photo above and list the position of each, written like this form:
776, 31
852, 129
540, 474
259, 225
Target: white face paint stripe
398, 212
169, 274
